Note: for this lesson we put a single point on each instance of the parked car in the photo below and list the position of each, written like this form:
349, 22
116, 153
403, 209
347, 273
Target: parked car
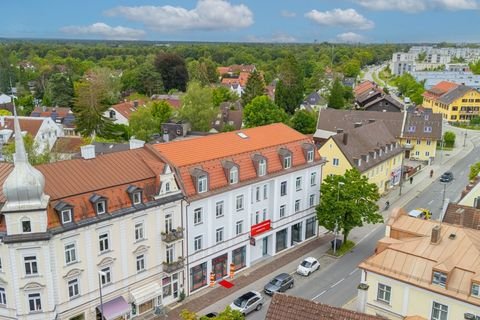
308, 266
280, 283
446, 177
248, 302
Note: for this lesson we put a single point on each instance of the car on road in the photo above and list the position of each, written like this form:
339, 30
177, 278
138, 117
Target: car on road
280, 283
307, 266
446, 177
248, 302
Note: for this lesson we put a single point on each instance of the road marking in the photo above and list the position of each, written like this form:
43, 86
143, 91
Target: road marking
430, 202
369, 233
353, 271
318, 295
337, 283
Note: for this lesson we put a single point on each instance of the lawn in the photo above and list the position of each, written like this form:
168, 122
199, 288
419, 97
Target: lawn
346, 247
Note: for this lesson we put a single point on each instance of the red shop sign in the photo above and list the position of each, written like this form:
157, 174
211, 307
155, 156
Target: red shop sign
260, 228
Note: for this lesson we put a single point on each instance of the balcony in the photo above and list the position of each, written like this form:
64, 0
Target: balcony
407, 146
173, 266
172, 235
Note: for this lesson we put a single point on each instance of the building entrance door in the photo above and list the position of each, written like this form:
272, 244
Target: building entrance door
265, 246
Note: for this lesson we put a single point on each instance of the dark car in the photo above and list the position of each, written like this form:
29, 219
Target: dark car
446, 177
280, 283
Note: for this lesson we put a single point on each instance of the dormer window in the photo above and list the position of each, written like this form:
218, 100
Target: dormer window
167, 187
64, 211
310, 155
66, 216
287, 162
202, 184
262, 167
26, 226
99, 204
233, 175
439, 278
308, 151
200, 179
137, 197
285, 157
475, 291
135, 194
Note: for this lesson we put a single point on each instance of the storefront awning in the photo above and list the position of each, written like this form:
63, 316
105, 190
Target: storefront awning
146, 293
114, 308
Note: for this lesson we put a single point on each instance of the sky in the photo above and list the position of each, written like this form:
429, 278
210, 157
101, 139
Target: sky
303, 21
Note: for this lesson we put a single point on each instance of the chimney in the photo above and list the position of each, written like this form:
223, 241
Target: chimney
476, 203
135, 104
371, 120
88, 151
357, 124
345, 138
339, 130
362, 294
136, 144
44, 108
435, 239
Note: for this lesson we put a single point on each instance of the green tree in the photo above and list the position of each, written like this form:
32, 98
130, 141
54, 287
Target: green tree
255, 87
26, 105
203, 71
289, 90
173, 70
409, 87
197, 107
262, 111
60, 90
35, 155
143, 79
227, 314
146, 121
223, 94
474, 171
336, 98
349, 200
304, 121
351, 68
449, 139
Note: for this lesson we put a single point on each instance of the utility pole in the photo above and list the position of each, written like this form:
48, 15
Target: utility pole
444, 189
465, 138
340, 183
401, 172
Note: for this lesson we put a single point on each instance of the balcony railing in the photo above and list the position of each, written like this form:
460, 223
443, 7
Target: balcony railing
172, 235
170, 267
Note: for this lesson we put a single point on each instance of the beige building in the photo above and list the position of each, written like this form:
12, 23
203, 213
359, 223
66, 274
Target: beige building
423, 268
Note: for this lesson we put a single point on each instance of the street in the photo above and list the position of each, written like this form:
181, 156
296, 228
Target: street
335, 283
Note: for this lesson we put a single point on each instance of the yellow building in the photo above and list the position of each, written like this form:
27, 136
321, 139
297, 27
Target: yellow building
423, 268
456, 102
370, 148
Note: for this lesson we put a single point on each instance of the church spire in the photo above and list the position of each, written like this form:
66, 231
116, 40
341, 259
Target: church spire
20, 153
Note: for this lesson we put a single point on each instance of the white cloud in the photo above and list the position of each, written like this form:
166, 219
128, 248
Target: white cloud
350, 37
275, 38
348, 18
207, 15
413, 6
105, 31
288, 14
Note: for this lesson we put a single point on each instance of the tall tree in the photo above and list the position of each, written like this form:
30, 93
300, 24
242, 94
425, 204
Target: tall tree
202, 70
35, 155
262, 111
173, 70
60, 90
197, 107
289, 90
255, 87
142, 79
304, 121
146, 121
348, 200
336, 98
223, 94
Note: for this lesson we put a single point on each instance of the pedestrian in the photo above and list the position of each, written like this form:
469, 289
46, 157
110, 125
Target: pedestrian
431, 173
411, 180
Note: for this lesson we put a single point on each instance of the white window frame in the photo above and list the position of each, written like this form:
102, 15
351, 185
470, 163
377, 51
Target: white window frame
310, 155
198, 216
233, 175
298, 183
239, 203
262, 167
257, 193
336, 161
140, 264
139, 231
73, 286
198, 243
219, 235
312, 200
219, 209
137, 197
66, 213
287, 162
439, 278
32, 262
475, 289
384, 293
106, 278
283, 188
239, 227
170, 253
438, 306
36, 299
429, 142
297, 205
202, 183
104, 241
3, 297
313, 179
70, 250
168, 222
265, 191
283, 211
102, 203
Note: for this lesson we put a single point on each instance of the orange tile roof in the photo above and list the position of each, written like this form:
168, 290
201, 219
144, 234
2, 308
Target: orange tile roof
413, 257
126, 108
364, 87
439, 89
208, 152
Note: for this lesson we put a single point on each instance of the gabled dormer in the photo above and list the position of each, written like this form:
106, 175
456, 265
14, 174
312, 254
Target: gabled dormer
200, 180
232, 171
440, 277
168, 184
260, 164
136, 194
64, 211
285, 157
100, 204
308, 151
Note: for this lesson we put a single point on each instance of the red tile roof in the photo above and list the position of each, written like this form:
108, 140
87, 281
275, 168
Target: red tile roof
47, 111
208, 152
126, 108
363, 87
29, 124
440, 89
285, 307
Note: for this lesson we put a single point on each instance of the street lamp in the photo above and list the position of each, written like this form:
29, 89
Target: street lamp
465, 138
340, 183
100, 275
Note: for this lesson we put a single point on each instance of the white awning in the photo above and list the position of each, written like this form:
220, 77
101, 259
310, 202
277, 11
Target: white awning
145, 293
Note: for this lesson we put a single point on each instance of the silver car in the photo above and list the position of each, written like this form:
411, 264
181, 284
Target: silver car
248, 302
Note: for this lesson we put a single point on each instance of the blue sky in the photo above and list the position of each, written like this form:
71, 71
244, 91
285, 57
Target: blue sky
245, 20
